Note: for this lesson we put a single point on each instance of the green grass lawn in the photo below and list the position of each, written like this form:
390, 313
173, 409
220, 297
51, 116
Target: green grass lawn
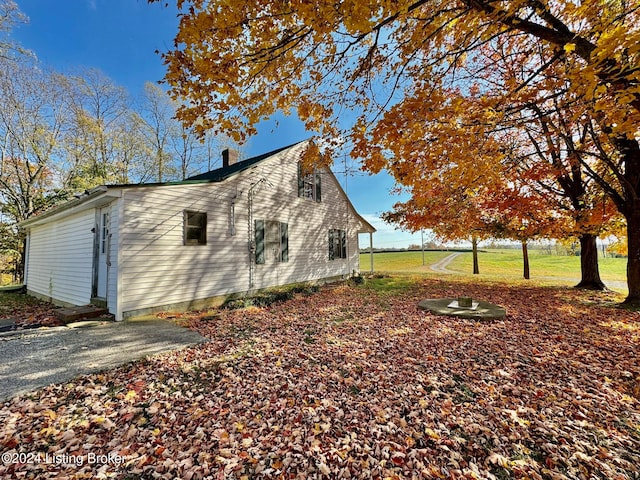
500, 264
401, 261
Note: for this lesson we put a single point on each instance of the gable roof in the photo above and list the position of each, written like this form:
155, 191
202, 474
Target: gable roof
220, 174
105, 193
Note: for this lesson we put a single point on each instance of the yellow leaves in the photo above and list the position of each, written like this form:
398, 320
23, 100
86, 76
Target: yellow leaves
431, 434
358, 15
50, 414
569, 47
247, 442
324, 469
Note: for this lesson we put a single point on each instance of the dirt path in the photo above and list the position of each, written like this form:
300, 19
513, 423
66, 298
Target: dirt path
441, 266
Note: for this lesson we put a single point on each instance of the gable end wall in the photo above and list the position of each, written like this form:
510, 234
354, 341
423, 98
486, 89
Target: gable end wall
157, 270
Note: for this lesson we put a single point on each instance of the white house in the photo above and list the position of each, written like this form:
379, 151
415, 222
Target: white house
249, 225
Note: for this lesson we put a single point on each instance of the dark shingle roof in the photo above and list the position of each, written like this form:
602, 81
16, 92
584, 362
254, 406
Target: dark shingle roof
220, 174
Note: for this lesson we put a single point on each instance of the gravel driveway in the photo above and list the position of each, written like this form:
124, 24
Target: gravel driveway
31, 359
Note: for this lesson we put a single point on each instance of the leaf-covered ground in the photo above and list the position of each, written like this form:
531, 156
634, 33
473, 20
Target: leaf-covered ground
26, 311
356, 382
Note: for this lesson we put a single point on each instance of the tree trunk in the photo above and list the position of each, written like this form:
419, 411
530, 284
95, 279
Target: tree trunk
476, 266
525, 259
590, 271
19, 274
633, 261
630, 150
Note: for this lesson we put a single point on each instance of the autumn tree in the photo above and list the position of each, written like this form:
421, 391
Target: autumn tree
157, 124
10, 16
519, 213
452, 208
548, 139
33, 118
175, 148
555, 158
99, 108
237, 64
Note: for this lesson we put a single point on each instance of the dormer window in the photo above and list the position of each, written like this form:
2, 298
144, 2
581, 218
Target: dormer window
309, 183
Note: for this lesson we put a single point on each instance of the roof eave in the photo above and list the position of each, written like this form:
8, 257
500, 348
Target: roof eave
92, 198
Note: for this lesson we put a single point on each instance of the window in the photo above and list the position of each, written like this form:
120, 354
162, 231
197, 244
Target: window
272, 241
337, 244
309, 184
195, 228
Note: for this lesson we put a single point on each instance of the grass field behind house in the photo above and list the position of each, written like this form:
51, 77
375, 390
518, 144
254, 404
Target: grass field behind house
503, 264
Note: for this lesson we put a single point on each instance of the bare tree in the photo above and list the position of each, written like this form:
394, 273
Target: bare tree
100, 108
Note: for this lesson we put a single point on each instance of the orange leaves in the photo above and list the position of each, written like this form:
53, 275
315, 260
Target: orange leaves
384, 391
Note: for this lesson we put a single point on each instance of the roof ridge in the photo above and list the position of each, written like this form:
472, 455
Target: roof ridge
225, 172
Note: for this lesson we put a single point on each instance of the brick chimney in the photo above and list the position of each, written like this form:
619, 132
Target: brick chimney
229, 157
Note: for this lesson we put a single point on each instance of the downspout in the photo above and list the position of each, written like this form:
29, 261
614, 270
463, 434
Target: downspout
348, 245
252, 242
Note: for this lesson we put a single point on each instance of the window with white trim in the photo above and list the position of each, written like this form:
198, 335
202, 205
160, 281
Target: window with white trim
309, 183
272, 241
337, 244
195, 228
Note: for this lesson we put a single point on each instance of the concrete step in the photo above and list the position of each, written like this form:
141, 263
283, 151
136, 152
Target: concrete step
71, 314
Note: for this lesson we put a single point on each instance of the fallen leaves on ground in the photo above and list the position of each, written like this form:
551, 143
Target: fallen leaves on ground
26, 311
352, 382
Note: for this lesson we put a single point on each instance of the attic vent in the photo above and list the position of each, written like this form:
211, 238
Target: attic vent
229, 157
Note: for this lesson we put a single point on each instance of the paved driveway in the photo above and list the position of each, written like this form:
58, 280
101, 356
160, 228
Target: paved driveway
32, 359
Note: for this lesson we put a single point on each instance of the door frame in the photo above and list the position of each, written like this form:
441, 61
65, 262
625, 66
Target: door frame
97, 244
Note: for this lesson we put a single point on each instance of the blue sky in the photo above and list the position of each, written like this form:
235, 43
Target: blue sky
120, 37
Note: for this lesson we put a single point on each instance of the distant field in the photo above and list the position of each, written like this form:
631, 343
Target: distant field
401, 261
505, 264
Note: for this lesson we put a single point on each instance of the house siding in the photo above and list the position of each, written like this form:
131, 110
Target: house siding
114, 248
61, 259
309, 223
158, 270
151, 268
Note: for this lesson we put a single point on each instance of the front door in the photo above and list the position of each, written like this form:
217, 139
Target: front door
103, 255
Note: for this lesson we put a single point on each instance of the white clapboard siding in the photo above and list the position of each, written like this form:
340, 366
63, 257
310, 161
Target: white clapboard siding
150, 267
157, 269
61, 259
112, 278
309, 223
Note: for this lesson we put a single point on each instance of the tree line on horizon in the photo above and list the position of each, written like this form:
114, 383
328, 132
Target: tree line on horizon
65, 133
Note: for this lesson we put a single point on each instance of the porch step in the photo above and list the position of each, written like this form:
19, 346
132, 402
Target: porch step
70, 314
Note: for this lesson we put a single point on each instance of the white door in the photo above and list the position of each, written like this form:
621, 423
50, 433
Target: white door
104, 241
